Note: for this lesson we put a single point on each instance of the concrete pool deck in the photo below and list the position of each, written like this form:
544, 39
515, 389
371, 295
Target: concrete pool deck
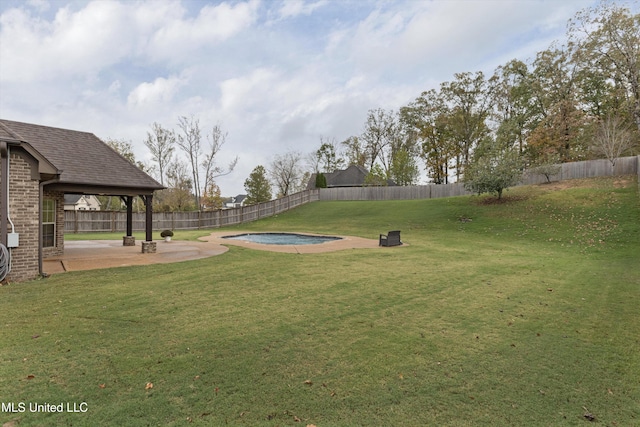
94, 254
346, 242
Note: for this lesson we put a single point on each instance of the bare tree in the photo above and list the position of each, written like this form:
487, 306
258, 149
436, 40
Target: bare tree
190, 142
160, 142
216, 139
613, 139
286, 172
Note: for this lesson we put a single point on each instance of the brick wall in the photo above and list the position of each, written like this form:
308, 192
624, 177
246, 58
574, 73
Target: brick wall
23, 209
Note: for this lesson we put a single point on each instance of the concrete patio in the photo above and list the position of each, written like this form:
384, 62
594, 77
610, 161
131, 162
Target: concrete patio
95, 254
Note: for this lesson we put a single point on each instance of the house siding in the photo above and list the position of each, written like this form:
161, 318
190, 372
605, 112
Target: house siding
23, 209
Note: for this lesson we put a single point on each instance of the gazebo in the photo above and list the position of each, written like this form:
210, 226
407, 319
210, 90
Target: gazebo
38, 166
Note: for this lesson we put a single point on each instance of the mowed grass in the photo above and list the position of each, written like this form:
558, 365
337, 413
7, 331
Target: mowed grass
516, 313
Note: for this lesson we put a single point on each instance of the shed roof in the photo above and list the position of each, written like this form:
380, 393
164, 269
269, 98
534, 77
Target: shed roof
85, 163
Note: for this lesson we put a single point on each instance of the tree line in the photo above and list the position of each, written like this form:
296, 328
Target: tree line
574, 101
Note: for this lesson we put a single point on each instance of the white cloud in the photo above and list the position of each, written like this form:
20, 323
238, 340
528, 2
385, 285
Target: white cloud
160, 91
39, 5
450, 36
73, 44
293, 8
177, 38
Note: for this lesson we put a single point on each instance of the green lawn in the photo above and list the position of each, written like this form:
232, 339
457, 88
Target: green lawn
528, 314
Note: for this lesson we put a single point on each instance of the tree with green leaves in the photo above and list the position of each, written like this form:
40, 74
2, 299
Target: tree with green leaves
426, 119
561, 128
321, 180
376, 177
515, 112
469, 99
606, 39
257, 186
327, 157
354, 151
404, 169
379, 136
547, 166
494, 168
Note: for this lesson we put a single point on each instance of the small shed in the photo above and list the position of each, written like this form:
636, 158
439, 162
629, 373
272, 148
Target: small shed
38, 166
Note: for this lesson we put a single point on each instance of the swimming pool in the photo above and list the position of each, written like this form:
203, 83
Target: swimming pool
282, 238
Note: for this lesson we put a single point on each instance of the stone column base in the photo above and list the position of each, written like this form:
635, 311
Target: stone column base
148, 247
128, 241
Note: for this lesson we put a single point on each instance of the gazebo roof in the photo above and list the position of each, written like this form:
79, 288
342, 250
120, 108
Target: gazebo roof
84, 163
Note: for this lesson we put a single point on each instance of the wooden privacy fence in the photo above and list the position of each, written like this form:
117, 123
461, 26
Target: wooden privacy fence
588, 169
575, 170
90, 221
393, 193
112, 221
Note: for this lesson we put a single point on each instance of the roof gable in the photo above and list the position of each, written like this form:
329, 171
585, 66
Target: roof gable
353, 176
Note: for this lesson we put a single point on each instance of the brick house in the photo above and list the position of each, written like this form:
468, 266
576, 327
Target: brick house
38, 166
81, 202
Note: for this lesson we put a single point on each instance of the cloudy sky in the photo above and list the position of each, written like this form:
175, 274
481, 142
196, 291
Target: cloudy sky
275, 75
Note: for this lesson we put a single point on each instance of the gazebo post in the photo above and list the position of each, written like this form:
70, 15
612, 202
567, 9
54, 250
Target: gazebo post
148, 246
129, 240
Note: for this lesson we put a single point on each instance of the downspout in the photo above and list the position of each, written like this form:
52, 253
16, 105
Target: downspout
5, 267
40, 197
13, 228
4, 191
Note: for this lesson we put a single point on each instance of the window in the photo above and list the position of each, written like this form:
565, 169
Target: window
48, 223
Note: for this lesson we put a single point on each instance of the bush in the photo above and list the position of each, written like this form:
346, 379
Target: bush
321, 180
493, 170
166, 233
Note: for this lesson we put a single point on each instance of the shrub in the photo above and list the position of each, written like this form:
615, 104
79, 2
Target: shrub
166, 233
493, 169
321, 180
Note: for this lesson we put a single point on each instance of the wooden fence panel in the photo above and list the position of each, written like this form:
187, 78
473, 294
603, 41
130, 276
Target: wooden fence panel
112, 221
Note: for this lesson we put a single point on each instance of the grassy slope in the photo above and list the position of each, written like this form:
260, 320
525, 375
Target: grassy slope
525, 315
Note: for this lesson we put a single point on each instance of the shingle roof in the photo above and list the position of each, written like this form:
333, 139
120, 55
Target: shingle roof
353, 176
71, 199
81, 156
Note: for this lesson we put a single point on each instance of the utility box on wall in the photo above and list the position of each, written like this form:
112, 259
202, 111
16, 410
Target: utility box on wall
13, 240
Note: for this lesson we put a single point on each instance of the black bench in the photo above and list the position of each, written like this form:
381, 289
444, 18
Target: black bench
392, 238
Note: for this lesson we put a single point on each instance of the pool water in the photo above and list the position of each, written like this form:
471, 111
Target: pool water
282, 238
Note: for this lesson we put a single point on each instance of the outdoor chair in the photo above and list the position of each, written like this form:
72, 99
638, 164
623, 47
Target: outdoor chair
392, 238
